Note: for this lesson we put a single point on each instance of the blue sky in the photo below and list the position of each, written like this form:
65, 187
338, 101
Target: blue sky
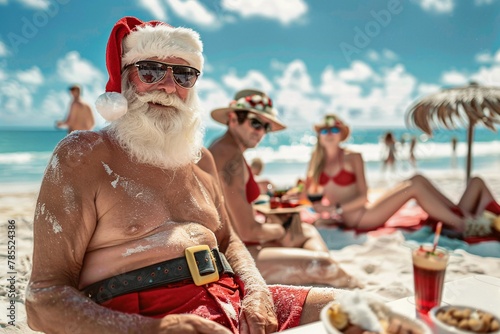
365, 60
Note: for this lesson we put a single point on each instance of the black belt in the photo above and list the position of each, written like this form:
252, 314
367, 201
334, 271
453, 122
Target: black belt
199, 264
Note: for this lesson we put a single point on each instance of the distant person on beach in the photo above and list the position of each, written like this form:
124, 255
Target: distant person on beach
131, 232
390, 151
80, 116
286, 250
257, 166
454, 152
337, 188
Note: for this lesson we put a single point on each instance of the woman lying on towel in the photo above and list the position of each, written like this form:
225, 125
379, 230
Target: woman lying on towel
337, 188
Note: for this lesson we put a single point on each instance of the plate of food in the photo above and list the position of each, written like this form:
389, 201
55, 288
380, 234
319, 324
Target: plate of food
289, 208
357, 314
459, 319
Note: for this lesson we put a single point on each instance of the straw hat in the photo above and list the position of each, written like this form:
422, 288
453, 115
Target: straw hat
331, 120
253, 101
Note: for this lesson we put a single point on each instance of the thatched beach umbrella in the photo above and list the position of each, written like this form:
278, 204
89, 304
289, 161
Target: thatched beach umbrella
469, 105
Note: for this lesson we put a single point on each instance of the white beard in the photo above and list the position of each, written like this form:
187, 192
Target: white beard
166, 138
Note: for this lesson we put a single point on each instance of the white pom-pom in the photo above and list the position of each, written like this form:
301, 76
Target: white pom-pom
111, 106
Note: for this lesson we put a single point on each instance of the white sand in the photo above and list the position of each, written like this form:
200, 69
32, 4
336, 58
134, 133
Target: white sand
383, 264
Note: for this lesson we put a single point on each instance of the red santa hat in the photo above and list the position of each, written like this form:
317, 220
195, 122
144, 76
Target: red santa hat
132, 40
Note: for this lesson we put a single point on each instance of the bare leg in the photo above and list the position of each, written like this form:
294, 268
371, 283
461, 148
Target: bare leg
475, 197
315, 301
295, 266
439, 195
419, 188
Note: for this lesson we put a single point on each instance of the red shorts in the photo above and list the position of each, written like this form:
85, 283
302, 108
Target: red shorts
219, 301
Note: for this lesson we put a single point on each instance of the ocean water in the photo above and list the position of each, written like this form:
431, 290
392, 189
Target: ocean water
24, 153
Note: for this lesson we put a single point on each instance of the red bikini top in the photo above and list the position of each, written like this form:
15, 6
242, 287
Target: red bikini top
252, 188
343, 178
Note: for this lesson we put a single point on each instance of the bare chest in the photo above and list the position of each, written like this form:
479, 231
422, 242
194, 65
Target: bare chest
135, 202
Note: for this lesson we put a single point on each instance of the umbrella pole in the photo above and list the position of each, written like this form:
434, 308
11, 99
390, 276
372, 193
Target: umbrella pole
470, 136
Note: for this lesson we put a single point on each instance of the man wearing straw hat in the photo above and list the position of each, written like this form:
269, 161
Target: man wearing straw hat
131, 234
286, 251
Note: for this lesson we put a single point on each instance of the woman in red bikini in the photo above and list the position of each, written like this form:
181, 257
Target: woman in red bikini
336, 186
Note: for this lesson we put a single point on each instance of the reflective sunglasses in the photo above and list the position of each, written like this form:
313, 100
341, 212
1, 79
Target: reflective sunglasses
332, 130
151, 72
258, 125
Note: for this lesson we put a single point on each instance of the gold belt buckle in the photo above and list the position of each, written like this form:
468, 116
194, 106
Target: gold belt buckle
193, 267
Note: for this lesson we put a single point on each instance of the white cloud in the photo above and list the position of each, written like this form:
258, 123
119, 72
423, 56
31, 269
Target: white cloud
389, 55
295, 76
333, 86
32, 76
193, 11
73, 69
384, 57
35, 4
3, 49
489, 76
155, 8
373, 55
359, 71
295, 96
484, 57
285, 11
454, 78
15, 97
362, 94
55, 104
425, 89
254, 79
381, 100
3, 75
399, 87
437, 6
3, 2
212, 96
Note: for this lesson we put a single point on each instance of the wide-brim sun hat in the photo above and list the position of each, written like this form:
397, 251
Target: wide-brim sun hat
253, 101
332, 120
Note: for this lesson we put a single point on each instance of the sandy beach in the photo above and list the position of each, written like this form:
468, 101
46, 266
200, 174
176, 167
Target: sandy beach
382, 264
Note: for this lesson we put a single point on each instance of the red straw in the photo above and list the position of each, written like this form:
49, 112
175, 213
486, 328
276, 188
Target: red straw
436, 236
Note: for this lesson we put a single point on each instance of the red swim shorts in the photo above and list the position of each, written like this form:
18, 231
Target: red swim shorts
218, 301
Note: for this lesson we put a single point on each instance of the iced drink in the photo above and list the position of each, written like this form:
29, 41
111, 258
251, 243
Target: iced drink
428, 276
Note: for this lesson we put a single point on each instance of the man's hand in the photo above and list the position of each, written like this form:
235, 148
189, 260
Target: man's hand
294, 235
257, 314
190, 324
60, 124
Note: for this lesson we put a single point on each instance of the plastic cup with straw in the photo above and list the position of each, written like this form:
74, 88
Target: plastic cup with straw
429, 268
439, 227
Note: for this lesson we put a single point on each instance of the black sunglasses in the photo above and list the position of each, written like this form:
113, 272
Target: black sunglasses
151, 72
258, 125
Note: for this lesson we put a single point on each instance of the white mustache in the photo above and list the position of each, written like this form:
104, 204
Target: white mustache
158, 97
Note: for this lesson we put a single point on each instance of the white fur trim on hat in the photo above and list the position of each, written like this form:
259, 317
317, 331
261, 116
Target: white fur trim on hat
163, 41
